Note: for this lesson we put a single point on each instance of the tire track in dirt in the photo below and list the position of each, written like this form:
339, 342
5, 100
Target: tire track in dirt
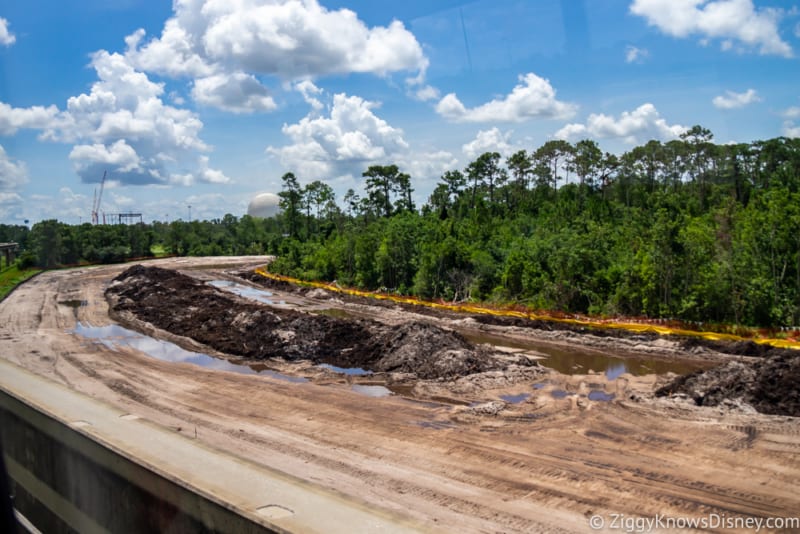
543, 467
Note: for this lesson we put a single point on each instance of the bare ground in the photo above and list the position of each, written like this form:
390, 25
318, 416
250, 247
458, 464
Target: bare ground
473, 463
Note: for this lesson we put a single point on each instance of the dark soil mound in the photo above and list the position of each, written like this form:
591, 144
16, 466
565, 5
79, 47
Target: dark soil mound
187, 307
271, 283
430, 352
771, 385
539, 324
737, 348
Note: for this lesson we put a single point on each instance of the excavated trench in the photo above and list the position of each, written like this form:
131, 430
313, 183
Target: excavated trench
191, 308
187, 307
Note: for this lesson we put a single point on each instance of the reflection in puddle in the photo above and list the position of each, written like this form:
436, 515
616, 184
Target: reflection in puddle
576, 361
114, 336
515, 399
559, 394
616, 370
602, 396
540, 385
352, 371
259, 295
371, 391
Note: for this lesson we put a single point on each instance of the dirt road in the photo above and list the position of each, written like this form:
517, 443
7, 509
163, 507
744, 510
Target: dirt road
548, 463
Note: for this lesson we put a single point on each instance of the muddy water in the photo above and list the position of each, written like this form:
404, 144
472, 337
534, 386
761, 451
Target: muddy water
351, 371
258, 295
516, 399
114, 336
371, 391
577, 362
572, 361
597, 395
73, 303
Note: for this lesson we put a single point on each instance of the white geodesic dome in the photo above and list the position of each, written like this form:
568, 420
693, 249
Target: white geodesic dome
264, 205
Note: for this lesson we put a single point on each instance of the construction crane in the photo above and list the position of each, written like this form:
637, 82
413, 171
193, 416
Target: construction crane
97, 198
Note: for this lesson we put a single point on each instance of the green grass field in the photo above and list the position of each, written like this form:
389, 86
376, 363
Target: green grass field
11, 277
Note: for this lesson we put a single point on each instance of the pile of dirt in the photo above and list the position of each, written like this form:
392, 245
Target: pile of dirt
190, 308
736, 348
430, 352
770, 385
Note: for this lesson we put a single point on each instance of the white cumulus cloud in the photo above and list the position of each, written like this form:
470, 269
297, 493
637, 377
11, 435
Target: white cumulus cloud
728, 20
143, 140
310, 93
427, 166
637, 126
237, 92
119, 155
13, 173
532, 98
35, 117
635, 54
6, 37
11, 205
790, 129
345, 142
122, 126
792, 112
287, 38
426, 93
339, 146
492, 140
227, 47
731, 100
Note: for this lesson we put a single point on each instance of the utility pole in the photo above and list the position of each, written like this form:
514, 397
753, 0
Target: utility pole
97, 199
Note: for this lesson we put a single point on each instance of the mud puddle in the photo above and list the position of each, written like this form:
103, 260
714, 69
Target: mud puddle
258, 295
114, 336
516, 399
73, 303
577, 362
600, 396
569, 361
350, 371
371, 391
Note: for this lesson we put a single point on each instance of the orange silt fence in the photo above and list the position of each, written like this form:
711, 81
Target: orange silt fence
483, 310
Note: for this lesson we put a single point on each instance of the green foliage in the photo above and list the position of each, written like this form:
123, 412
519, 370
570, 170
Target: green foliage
685, 229
11, 277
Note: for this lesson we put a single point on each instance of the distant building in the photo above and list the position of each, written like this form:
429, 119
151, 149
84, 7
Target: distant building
264, 205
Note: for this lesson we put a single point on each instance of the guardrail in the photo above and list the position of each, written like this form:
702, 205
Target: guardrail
77, 464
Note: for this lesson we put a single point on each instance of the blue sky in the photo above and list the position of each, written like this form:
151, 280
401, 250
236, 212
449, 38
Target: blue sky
208, 102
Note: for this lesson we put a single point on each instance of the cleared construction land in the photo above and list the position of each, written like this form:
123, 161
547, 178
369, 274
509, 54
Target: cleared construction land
460, 423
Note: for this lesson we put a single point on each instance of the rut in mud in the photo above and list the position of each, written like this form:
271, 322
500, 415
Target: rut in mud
188, 307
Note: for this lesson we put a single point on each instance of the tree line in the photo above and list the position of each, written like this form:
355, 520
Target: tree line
686, 229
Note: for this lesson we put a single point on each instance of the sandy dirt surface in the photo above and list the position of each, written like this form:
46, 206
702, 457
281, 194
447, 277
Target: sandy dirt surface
448, 452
